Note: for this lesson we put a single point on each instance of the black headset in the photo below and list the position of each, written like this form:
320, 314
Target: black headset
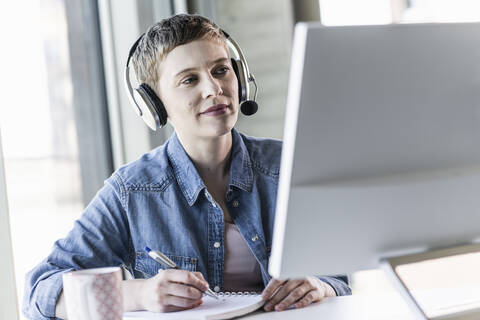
148, 105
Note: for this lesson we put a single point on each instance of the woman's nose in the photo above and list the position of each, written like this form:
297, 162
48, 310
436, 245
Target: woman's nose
211, 88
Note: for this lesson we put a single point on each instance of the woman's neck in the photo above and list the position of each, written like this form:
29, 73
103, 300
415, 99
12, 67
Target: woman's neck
211, 157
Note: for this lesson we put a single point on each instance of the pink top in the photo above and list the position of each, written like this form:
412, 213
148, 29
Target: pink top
241, 271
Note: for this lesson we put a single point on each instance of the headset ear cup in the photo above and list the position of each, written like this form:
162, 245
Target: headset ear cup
157, 107
147, 110
242, 84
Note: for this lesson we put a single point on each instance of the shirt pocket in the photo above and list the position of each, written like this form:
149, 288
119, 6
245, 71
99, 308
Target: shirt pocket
149, 267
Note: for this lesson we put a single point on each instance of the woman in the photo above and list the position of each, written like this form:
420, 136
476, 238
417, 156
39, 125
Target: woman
206, 198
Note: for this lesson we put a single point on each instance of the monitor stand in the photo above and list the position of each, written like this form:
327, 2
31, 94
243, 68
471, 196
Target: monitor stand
461, 311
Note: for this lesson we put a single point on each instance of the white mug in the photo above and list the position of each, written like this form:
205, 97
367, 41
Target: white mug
94, 294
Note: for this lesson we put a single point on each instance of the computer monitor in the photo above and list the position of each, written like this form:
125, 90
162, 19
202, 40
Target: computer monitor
381, 153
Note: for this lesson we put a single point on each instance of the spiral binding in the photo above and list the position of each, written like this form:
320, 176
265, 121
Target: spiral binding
237, 293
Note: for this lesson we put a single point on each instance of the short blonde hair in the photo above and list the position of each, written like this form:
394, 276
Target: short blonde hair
164, 36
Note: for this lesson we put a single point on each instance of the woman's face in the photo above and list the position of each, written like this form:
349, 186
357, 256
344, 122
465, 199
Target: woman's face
199, 89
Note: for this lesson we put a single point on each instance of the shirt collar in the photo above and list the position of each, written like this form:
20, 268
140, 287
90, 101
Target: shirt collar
185, 172
241, 173
188, 179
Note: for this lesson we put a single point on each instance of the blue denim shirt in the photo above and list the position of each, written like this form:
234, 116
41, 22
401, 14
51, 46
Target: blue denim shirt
161, 202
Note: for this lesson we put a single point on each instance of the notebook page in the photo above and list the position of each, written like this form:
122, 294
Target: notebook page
225, 308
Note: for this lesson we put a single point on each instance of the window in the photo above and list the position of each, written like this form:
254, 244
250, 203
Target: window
46, 114
442, 11
351, 12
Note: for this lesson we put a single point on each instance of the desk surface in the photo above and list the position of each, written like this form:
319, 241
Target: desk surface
359, 307
380, 306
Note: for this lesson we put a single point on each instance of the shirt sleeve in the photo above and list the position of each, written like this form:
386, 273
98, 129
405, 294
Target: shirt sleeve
339, 283
99, 238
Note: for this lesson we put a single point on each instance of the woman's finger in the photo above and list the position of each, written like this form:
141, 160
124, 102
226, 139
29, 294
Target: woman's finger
185, 277
182, 290
271, 288
181, 302
199, 276
297, 294
175, 308
282, 293
309, 298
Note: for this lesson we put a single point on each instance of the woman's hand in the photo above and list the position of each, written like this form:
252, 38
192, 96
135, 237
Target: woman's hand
281, 294
170, 290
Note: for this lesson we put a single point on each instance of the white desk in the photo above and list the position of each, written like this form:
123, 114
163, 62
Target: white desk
357, 307
387, 305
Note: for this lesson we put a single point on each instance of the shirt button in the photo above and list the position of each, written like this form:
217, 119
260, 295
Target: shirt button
216, 289
235, 203
255, 238
216, 244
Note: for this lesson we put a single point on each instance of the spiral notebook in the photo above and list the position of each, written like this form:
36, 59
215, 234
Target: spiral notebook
230, 305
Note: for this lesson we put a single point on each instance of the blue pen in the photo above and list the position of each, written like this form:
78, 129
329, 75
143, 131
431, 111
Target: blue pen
166, 262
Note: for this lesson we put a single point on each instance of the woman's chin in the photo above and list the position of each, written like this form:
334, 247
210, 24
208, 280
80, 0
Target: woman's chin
220, 129
218, 132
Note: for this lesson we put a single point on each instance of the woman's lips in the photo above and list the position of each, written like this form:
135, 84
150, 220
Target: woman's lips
216, 110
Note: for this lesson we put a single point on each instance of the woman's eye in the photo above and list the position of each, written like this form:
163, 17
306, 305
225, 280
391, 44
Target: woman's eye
188, 80
222, 70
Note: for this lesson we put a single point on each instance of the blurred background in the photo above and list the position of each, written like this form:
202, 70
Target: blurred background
65, 120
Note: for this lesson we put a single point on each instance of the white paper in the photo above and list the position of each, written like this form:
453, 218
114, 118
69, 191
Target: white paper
225, 308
